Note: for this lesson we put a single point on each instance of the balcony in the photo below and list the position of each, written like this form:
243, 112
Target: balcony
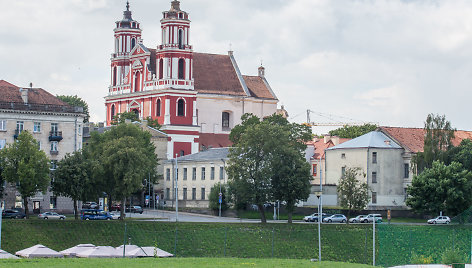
55, 136
54, 152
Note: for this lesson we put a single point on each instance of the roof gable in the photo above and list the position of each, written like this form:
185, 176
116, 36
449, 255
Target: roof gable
11, 93
257, 87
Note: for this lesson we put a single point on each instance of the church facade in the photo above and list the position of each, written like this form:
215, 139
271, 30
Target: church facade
196, 97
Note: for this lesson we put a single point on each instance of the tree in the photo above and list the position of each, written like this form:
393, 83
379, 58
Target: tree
462, 154
259, 150
153, 123
76, 101
353, 194
124, 157
24, 164
441, 188
438, 140
351, 132
73, 178
121, 118
215, 196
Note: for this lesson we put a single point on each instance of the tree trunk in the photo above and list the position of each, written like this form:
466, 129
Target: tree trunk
262, 212
109, 202
122, 209
76, 210
25, 202
290, 208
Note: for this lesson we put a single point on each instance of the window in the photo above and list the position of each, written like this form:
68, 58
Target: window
19, 126
406, 171
203, 173
343, 171
374, 157
181, 38
167, 193
194, 193
185, 174
181, 69
203, 193
133, 43
222, 173
54, 129
182, 153
315, 169
374, 177
185, 193
112, 111
54, 146
177, 174
37, 127
374, 198
194, 173
212, 173
39, 145
225, 119
343, 155
161, 68
3, 125
2, 144
53, 165
114, 76
168, 174
52, 202
158, 108
136, 81
181, 107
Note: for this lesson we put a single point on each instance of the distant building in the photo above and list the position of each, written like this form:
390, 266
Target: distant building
196, 97
53, 123
197, 174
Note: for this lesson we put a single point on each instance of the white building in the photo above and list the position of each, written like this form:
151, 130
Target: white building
54, 124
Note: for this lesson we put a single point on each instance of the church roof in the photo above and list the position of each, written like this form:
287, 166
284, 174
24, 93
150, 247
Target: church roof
216, 74
11, 93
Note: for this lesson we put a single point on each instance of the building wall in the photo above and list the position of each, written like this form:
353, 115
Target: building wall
71, 126
189, 183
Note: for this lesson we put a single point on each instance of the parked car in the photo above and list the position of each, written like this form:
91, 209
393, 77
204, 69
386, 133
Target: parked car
335, 218
115, 207
440, 219
89, 205
115, 215
135, 209
51, 215
357, 219
310, 218
13, 214
314, 217
370, 218
95, 214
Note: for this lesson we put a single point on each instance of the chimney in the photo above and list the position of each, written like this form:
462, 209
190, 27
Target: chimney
24, 95
230, 53
261, 70
335, 140
326, 138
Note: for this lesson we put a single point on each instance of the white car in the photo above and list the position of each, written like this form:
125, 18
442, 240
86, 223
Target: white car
370, 218
51, 215
440, 219
115, 215
357, 219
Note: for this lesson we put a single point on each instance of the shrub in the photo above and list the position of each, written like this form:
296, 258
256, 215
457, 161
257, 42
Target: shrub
451, 256
421, 259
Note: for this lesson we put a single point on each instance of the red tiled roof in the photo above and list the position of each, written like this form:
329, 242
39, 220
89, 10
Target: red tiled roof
257, 87
413, 138
210, 140
321, 146
11, 93
215, 74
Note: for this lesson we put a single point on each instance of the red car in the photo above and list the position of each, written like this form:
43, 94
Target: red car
115, 207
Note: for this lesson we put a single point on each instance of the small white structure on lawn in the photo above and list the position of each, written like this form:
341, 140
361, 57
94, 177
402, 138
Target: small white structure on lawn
73, 251
38, 251
99, 252
6, 255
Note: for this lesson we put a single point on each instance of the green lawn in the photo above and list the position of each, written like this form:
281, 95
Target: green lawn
175, 262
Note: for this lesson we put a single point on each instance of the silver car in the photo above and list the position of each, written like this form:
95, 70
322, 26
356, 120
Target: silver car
335, 218
51, 215
440, 219
370, 218
357, 219
115, 215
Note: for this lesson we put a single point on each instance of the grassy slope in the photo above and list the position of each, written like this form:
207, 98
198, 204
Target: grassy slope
174, 262
347, 243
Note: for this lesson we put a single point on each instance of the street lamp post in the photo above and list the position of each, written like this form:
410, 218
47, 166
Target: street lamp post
320, 218
176, 190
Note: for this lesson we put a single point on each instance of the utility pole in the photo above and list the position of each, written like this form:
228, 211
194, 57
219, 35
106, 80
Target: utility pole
176, 190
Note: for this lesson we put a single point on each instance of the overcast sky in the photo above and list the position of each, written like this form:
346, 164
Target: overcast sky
385, 61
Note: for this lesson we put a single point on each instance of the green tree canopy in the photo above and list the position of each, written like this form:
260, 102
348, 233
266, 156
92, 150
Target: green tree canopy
24, 164
462, 154
351, 132
441, 188
121, 118
73, 178
124, 156
261, 149
353, 193
76, 102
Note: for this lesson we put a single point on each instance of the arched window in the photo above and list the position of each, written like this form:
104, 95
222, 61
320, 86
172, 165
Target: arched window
161, 68
158, 108
133, 42
181, 39
112, 111
225, 120
181, 69
181, 107
114, 76
136, 82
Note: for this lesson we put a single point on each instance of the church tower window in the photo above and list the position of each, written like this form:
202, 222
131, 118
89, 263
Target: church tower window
181, 107
158, 108
181, 39
181, 69
114, 76
136, 82
112, 111
161, 68
133, 43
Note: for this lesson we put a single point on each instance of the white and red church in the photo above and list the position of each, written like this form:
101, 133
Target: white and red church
196, 97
